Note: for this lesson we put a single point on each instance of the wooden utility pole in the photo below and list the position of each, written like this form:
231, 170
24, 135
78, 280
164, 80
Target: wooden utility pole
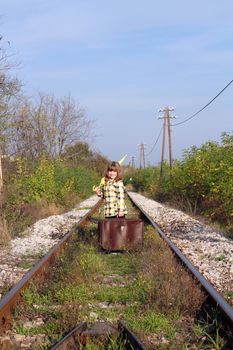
163, 143
169, 139
1, 178
1, 182
142, 156
166, 124
133, 162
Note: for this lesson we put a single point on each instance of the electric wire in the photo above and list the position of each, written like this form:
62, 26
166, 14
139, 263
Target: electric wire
155, 142
192, 116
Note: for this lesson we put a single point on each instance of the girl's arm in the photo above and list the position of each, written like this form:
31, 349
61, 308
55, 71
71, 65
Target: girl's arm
121, 199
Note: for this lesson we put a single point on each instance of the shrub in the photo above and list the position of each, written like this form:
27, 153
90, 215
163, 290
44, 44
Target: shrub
143, 180
36, 188
201, 181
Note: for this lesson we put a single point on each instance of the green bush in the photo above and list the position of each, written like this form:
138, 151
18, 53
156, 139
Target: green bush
50, 181
205, 178
201, 181
143, 180
47, 187
79, 180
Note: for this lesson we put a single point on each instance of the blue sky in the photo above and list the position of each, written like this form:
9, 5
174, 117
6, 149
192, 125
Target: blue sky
124, 60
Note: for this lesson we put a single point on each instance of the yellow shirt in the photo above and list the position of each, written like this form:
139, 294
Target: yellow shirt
114, 198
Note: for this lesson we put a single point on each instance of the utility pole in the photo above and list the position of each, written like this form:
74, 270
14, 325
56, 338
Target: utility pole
1, 178
169, 140
142, 155
163, 143
1, 181
133, 162
166, 125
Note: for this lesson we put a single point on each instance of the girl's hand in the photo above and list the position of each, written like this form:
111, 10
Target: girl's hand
98, 191
120, 214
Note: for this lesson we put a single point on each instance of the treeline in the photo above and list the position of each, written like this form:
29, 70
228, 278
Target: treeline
46, 163
200, 183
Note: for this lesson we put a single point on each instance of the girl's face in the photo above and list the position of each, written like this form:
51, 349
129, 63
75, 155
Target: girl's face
112, 174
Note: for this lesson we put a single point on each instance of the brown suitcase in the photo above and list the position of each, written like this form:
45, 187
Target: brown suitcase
120, 234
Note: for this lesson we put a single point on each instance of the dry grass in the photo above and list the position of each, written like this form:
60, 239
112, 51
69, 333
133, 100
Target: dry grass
5, 236
22, 216
157, 299
174, 289
42, 210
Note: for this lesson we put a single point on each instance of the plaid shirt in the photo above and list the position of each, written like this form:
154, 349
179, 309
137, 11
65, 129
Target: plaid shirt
114, 199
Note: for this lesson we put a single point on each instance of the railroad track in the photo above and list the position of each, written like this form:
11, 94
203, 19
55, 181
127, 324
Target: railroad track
80, 335
222, 316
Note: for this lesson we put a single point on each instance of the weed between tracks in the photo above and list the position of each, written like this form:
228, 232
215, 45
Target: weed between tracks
154, 296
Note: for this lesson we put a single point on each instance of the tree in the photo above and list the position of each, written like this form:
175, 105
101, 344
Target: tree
48, 125
9, 88
99, 163
71, 123
81, 154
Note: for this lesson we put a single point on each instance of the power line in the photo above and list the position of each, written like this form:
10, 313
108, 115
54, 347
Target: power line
155, 142
192, 116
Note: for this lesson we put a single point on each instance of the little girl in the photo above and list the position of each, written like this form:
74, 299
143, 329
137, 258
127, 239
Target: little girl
113, 192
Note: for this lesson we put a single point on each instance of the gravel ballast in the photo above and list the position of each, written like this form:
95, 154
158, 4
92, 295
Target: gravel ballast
208, 250
23, 252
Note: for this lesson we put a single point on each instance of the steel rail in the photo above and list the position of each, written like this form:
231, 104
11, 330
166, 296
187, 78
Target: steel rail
130, 336
10, 299
14, 295
226, 308
77, 334
70, 339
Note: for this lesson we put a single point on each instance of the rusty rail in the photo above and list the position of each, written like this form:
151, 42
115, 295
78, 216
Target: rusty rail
79, 335
11, 299
216, 298
14, 295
